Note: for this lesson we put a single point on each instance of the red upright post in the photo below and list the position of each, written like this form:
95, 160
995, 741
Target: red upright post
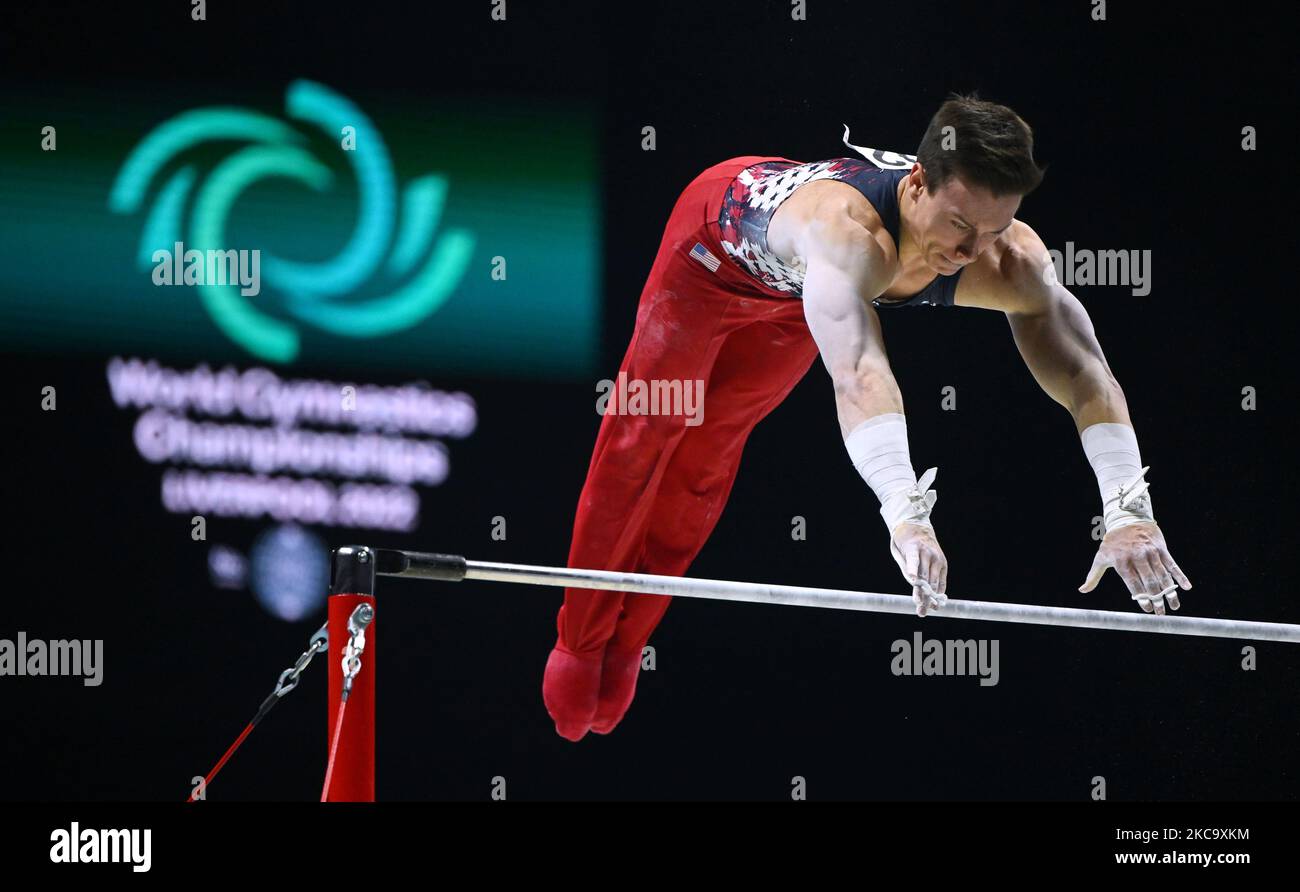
353, 584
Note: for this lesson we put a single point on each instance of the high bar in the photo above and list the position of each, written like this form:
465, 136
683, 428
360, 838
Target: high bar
454, 568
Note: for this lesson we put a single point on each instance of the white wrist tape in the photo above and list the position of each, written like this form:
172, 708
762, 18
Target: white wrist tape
1112, 450
878, 448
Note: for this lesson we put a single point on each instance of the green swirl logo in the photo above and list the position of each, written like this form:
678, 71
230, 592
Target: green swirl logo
313, 293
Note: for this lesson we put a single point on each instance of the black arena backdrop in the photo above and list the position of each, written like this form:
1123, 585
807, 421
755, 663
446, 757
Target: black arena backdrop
1140, 120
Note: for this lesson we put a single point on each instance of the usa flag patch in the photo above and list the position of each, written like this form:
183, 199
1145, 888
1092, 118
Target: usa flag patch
701, 253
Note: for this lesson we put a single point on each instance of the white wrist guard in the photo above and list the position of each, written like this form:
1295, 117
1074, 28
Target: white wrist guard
912, 505
1112, 450
878, 448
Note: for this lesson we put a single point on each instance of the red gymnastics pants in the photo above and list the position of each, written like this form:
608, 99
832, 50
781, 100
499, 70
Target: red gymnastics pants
656, 485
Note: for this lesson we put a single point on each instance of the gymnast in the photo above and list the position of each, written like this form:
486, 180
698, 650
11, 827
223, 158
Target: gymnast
767, 263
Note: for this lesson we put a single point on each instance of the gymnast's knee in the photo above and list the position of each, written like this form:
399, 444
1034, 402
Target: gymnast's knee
635, 448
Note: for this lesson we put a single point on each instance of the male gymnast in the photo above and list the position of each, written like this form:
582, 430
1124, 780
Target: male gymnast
767, 263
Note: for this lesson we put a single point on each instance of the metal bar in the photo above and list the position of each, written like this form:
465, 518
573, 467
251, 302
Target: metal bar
452, 567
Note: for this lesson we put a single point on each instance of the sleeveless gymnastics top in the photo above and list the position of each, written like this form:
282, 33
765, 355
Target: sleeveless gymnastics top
758, 190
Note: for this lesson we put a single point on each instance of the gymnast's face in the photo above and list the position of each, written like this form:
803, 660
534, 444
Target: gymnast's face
956, 223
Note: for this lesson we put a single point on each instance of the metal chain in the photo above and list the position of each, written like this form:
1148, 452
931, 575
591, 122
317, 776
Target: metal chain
289, 677
361, 617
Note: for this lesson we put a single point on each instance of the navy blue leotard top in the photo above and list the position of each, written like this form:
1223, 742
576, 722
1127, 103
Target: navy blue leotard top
756, 193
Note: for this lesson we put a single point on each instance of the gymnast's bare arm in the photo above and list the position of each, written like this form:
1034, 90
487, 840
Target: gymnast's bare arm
846, 269
1059, 345
847, 265
1049, 325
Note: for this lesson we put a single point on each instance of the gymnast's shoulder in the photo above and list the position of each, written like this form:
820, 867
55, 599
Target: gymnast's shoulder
1014, 275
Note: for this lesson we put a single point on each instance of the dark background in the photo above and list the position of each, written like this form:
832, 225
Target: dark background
1139, 119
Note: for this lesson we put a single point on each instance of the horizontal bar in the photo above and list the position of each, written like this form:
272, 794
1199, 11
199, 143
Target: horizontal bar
419, 564
839, 599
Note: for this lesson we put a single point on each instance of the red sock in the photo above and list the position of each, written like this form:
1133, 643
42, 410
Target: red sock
570, 689
617, 688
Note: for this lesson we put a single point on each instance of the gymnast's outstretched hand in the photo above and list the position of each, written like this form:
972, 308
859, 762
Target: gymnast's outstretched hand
1140, 557
916, 551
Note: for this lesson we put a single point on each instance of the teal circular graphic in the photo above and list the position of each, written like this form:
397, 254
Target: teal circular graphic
424, 267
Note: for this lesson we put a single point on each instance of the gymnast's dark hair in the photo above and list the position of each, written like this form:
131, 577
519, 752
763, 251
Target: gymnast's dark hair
989, 146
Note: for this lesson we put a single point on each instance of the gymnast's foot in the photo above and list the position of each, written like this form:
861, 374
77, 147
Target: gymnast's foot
570, 689
617, 687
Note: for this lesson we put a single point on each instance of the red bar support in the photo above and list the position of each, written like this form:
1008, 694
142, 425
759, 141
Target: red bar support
354, 764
